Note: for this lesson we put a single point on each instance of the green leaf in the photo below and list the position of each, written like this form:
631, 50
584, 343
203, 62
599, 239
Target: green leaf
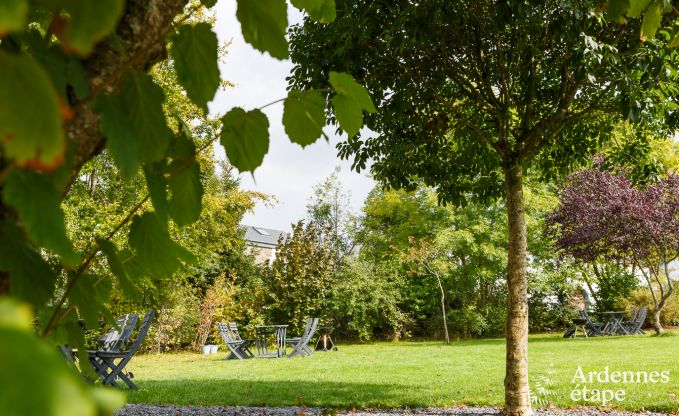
89, 21
651, 21
30, 128
322, 11
245, 137
637, 7
134, 124
187, 194
615, 10
350, 99
37, 380
89, 295
38, 203
13, 15
208, 3
156, 183
304, 116
264, 23
31, 278
348, 114
194, 50
674, 42
157, 254
64, 70
344, 84
120, 264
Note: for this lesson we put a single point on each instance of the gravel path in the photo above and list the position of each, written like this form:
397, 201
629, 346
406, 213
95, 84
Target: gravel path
150, 410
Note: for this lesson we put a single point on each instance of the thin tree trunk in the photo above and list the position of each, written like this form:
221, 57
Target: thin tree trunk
443, 309
517, 400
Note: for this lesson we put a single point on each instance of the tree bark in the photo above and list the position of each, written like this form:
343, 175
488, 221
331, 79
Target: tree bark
657, 326
517, 400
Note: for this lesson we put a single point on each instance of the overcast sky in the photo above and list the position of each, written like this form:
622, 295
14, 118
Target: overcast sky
288, 172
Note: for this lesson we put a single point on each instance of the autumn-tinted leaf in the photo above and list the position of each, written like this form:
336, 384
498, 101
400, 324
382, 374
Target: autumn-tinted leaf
304, 116
39, 211
31, 278
264, 23
134, 124
12, 15
155, 250
89, 21
30, 128
651, 20
322, 11
194, 50
245, 137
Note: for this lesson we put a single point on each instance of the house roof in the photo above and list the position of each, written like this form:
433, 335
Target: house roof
263, 237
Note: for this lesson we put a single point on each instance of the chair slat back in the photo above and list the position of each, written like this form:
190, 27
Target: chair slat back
641, 317
310, 331
143, 330
115, 340
634, 314
229, 332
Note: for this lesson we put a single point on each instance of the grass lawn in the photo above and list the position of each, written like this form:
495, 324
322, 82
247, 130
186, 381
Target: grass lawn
411, 374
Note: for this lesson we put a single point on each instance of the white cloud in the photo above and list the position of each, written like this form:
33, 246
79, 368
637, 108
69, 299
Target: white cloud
288, 172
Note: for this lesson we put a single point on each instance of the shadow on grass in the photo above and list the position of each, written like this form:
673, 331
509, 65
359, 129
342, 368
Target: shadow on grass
229, 392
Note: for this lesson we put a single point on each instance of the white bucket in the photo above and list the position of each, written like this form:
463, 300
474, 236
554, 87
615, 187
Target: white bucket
207, 349
214, 349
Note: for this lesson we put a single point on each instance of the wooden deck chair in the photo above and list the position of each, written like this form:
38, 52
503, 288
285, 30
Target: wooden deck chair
633, 327
239, 347
116, 338
593, 328
294, 340
110, 364
301, 347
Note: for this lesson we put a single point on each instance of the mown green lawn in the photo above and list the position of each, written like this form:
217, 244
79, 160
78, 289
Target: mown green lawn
411, 374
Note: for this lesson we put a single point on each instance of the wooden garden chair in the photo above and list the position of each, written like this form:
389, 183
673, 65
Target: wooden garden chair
109, 365
633, 326
593, 328
118, 336
239, 347
300, 345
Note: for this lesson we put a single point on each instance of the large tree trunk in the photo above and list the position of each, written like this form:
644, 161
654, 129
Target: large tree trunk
517, 400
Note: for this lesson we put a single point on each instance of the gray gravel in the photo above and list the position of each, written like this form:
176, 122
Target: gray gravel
151, 410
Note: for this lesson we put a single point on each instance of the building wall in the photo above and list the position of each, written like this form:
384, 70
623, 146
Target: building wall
262, 254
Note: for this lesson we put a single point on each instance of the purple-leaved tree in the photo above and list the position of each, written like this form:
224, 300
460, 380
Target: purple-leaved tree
603, 216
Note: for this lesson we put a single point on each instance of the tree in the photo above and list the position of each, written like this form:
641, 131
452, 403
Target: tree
471, 95
329, 211
300, 276
77, 75
602, 216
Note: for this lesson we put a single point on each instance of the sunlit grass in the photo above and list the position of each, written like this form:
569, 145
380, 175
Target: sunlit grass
410, 374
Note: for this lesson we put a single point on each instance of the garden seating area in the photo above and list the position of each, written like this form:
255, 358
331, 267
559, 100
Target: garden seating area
271, 341
614, 323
